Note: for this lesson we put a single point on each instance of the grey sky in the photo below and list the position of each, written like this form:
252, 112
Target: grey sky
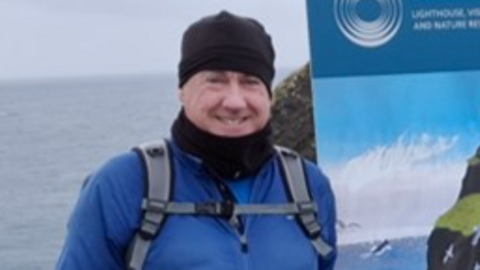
58, 38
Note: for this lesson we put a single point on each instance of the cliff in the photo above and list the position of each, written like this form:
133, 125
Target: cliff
292, 113
454, 243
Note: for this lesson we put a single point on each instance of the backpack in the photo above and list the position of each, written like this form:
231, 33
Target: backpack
157, 206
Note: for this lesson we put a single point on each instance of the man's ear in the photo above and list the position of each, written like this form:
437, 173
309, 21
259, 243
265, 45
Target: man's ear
181, 95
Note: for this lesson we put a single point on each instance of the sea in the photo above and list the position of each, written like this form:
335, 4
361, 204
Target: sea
54, 132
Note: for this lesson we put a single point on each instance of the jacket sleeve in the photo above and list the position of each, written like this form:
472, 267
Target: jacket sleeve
103, 220
324, 197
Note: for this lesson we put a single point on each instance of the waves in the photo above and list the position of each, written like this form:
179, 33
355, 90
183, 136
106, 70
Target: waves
399, 189
407, 156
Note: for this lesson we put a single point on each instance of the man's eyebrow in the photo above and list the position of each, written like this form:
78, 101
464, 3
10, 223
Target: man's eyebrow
216, 72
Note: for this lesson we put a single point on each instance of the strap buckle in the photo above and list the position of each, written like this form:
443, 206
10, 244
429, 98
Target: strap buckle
307, 214
155, 206
155, 151
154, 211
306, 208
223, 209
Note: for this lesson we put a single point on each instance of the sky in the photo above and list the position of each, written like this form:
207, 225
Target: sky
403, 110
82, 38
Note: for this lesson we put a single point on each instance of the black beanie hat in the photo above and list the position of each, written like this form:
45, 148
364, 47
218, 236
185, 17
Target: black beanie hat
227, 42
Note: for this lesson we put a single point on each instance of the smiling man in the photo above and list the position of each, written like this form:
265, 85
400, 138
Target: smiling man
232, 197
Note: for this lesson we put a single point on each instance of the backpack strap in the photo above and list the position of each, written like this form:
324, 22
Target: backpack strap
158, 182
297, 186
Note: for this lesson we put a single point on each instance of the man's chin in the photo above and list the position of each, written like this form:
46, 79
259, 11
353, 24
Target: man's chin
232, 132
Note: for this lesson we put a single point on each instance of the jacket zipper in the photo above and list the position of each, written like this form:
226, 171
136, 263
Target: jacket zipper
239, 229
235, 221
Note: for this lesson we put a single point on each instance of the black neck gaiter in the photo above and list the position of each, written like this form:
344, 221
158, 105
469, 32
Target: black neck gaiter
228, 158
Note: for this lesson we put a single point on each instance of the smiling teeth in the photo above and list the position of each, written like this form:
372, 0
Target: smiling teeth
231, 121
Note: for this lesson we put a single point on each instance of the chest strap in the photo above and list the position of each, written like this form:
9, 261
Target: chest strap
227, 209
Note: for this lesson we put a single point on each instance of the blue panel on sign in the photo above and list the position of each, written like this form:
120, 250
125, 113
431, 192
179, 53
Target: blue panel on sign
366, 37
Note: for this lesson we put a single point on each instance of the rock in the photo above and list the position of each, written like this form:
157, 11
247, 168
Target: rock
454, 243
292, 119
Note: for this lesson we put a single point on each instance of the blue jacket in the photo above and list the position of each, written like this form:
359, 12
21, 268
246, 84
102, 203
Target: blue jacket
108, 213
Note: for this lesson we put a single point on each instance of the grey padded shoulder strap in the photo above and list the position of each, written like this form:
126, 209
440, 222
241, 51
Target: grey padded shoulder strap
297, 185
158, 181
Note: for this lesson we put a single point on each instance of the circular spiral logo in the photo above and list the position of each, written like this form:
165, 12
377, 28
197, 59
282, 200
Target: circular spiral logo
355, 20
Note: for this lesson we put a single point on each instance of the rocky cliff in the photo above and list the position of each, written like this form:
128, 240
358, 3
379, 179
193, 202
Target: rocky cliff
292, 113
454, 243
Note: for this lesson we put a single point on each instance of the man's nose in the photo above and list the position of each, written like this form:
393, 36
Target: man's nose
234, 97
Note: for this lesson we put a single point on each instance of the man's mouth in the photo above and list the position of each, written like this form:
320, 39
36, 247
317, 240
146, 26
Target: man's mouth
232, 121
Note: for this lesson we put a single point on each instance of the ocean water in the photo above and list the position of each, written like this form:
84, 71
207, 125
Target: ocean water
54, 133
399, 254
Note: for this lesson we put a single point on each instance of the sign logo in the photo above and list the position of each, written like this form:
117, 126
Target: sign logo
368, 23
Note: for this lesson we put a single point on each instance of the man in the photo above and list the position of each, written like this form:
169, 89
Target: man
221, 150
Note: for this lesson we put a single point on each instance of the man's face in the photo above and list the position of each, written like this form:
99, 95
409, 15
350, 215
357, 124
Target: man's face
226, 103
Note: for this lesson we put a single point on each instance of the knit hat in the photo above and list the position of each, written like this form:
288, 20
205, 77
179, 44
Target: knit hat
227, 42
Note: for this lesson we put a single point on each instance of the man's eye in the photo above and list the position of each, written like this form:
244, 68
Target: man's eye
252, 81
214, 79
